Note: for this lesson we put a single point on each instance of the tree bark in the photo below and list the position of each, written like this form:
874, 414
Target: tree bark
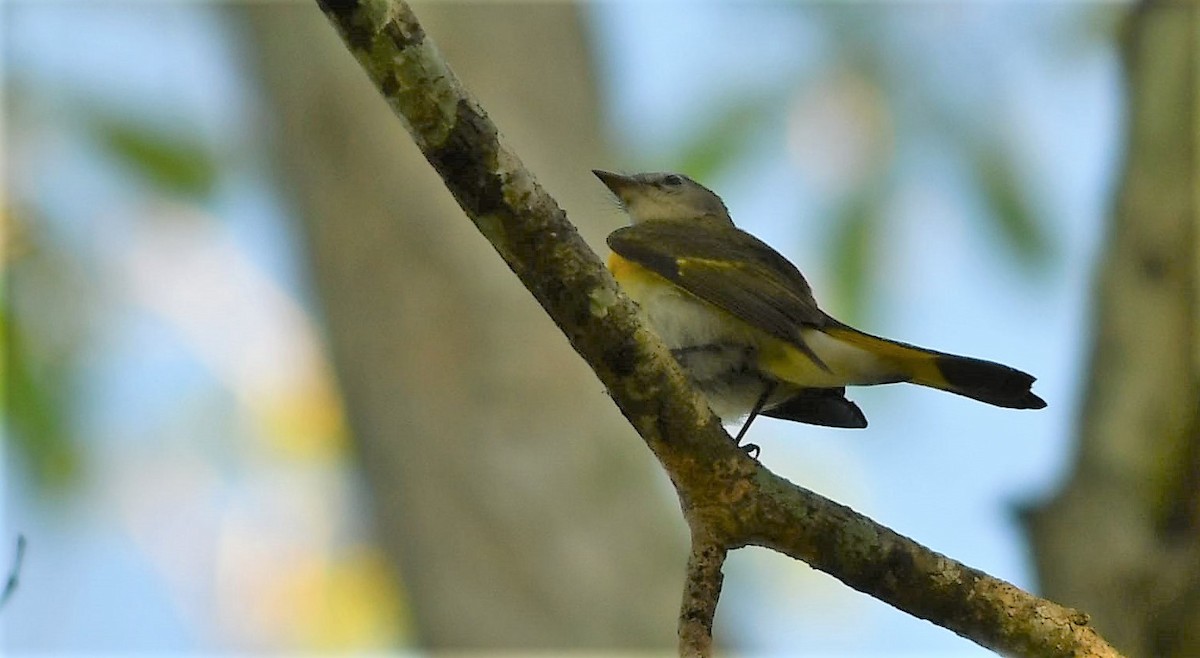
1122, 539
503, 481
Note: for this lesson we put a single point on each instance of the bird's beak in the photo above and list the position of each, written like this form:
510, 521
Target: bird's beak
615, 182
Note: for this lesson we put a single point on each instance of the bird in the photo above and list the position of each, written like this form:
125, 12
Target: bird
742, 321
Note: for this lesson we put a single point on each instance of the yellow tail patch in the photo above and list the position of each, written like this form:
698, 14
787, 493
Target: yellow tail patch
915, 364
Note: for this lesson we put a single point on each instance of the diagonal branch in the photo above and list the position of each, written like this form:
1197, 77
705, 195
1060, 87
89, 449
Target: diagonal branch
728, 499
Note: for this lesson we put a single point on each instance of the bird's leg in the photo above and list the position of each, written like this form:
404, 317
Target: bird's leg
751, 448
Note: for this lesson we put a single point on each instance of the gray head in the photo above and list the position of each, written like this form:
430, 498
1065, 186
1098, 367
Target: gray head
663, 197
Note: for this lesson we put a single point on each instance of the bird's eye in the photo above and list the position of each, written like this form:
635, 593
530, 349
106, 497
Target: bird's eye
673, 180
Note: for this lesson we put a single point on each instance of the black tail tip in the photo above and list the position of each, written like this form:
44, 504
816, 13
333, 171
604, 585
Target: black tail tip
1030, 401
990, 382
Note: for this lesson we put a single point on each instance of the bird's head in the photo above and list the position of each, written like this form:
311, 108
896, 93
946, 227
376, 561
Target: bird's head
663, 197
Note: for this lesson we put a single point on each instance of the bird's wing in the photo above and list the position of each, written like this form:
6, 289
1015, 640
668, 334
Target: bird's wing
729, 268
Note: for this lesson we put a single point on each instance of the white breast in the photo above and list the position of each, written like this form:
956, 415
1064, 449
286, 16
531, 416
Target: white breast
683, 320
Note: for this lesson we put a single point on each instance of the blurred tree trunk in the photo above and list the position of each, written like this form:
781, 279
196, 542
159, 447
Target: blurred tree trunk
1122, 540
520, 509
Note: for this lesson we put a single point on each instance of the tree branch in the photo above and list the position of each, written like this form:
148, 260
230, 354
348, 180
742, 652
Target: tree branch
729, 500
702, 589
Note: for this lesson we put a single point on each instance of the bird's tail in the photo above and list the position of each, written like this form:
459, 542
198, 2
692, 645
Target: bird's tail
986, 381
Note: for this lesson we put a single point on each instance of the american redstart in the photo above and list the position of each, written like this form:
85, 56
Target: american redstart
742, 321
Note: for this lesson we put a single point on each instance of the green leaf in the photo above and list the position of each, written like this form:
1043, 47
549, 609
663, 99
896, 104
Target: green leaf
852, 254
722, 139
172, 162
1012, 211
35, 420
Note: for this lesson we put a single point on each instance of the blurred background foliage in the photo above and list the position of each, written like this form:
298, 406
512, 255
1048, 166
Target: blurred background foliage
175, 427
871, 110
171, 163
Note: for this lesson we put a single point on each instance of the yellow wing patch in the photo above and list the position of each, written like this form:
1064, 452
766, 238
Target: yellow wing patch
685, 263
